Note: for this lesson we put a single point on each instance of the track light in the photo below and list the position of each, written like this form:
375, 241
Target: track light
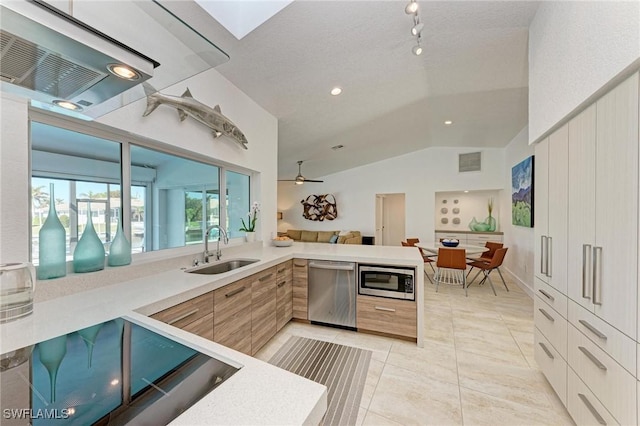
411, 8
417, 28
417, 50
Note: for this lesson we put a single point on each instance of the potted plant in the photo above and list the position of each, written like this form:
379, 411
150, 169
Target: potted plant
250, 226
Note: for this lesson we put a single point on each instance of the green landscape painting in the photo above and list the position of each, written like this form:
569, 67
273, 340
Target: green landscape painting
522, 193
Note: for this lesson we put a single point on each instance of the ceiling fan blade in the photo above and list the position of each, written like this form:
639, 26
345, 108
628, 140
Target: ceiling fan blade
311, 180
286, 180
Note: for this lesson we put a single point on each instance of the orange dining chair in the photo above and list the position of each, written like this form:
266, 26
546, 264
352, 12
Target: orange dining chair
487, 255
487, 267
425, 258
451, 265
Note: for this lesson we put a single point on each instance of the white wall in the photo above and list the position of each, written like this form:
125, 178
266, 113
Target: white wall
575, 47
472, 204
260, 128
519, 240
419, 175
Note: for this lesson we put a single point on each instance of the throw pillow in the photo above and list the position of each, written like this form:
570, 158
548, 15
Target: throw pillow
333, 239
343, 238
325, 236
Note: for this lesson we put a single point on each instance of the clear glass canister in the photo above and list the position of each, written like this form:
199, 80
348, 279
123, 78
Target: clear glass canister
17, 287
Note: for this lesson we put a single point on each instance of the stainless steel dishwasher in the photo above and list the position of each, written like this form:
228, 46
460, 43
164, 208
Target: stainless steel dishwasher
332, 293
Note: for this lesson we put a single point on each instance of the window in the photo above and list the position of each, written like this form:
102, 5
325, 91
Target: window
172, 199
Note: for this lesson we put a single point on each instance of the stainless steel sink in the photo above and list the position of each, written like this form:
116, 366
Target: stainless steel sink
221, 267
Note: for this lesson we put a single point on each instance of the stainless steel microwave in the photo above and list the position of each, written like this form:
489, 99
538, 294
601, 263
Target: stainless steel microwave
387, 281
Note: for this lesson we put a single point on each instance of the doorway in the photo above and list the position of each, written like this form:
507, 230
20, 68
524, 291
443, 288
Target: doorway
390, 219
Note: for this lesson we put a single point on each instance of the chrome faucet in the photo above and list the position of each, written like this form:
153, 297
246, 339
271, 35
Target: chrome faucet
218, 253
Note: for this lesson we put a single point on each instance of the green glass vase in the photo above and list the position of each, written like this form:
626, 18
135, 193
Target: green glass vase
52, 250
120, 248
89, 253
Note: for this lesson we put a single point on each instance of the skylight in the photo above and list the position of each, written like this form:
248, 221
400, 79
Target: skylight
240, 17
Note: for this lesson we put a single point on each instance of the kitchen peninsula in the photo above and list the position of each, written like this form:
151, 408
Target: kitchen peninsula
249, 396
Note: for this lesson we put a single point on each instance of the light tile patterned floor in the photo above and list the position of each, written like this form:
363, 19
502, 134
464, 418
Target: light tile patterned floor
476, 367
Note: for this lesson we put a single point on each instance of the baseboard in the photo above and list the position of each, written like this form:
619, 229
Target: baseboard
523, 286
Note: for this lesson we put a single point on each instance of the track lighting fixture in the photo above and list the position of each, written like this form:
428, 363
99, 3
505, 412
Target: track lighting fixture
416, 30
411, 8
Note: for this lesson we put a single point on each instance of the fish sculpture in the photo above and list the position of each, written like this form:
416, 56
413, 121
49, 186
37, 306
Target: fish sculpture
187, 106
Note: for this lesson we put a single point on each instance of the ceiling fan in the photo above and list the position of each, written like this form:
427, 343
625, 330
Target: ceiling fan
299, 180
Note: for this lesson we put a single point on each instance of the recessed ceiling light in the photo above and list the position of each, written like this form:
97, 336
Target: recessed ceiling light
448, 122
123, 71
336, 91
466, 192
67, 105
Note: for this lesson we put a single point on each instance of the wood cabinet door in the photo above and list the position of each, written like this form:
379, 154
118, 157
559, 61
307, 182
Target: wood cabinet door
541, 208
232, 316
300, 289
581, 226
616, 244
263, 308
284, 294
557, 205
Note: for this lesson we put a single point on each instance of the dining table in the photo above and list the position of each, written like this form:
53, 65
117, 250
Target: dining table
470, 250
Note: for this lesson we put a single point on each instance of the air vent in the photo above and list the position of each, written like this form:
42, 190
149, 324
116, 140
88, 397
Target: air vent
470, 162
39, 69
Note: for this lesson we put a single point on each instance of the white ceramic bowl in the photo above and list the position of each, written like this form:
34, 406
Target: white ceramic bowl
282, 243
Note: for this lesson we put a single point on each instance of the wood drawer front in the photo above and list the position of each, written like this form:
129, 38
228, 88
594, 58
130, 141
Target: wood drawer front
551, 364
231, 299
583, 406
235, 332
611, 384
203, 327
481, 239
300, 289
618, 345
284, 302
284, 271
551, 296
551, 324
263, 308
386, 316
187, 312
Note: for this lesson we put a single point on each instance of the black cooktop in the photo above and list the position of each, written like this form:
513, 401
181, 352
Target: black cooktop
112, 373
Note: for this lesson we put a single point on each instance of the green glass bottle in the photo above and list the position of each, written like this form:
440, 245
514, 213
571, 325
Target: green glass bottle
89, 253
52, 250
120, 248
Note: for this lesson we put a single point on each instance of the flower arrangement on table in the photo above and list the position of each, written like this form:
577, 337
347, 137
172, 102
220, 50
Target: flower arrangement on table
250, 225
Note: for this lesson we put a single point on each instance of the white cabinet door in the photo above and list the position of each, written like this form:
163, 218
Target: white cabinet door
615, 293
557, 220
582, 206
541, 208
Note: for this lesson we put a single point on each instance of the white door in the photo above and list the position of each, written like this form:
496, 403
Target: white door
541, 208
581, 226
616, 244
390, 219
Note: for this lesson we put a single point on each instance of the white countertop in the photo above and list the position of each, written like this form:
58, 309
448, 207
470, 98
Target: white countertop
257, 394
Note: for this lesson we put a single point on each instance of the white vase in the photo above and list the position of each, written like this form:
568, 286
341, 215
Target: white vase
250, 237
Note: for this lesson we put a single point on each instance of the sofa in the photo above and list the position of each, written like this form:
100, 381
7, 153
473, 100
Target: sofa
331, 237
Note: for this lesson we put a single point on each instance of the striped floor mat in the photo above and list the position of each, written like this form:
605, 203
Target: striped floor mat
342, 369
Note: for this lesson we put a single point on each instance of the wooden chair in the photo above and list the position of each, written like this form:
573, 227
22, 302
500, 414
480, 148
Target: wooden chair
425, 258
451, 264
487, 267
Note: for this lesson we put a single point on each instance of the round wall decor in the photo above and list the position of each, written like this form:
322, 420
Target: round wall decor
444, 210
444, 220
456, 221
455, 210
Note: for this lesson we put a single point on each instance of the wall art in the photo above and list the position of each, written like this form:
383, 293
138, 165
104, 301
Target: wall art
319, 207
522, 180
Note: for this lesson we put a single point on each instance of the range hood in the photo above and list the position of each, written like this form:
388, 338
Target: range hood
49, 56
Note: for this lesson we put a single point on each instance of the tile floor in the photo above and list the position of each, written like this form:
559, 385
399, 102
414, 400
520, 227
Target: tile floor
476, 367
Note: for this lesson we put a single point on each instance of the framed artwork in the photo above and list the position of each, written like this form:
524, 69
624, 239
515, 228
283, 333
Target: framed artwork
522, 193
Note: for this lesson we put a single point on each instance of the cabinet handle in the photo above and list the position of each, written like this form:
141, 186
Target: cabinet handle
380, 308
593, 359
546, 350
586, 248
281, 270
547, 295
181, 317
597, 275
593, 329
549, 256
234, 292
281, 284
546, 314
300, 266
543, 251
593, 410
266, 277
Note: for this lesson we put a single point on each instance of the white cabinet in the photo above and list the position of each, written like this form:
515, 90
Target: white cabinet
603, 207
550, 200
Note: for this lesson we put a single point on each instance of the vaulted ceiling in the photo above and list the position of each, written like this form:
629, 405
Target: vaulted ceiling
474, 72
